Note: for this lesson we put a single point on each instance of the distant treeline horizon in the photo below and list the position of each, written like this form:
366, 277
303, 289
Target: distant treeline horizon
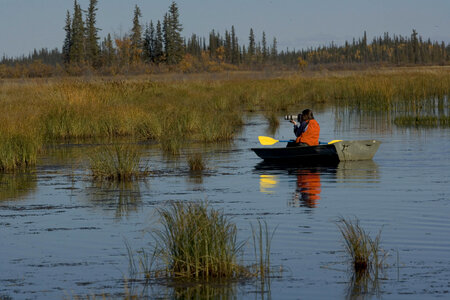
158, 46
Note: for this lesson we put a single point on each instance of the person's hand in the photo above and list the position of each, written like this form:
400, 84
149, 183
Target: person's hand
293, 122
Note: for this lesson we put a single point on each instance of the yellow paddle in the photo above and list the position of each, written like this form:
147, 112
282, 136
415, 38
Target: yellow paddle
267, 141
334, 141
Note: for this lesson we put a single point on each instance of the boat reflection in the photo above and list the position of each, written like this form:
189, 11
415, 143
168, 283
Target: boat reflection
307, 192
312, 180
267, 183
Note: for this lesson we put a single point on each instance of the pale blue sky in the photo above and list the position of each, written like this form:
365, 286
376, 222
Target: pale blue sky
29, 24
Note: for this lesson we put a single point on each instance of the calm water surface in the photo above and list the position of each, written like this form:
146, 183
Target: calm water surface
63, 235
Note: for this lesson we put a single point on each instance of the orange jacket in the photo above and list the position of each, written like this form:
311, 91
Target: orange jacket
311, 134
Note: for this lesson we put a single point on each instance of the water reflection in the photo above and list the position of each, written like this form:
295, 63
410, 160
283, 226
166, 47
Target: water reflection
307, 192
16, 186
311, 180
205, 291
123, 197
363, 285
267, 183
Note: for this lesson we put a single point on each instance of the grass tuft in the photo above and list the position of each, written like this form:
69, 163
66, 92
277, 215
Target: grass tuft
198, 242
117, 163
18, 151
365, 253
196, 162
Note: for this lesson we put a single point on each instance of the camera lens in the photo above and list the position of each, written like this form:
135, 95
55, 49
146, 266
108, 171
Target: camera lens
290, 117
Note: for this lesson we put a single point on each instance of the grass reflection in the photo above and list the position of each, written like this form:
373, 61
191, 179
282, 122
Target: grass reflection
15, 186
204, 291
123, 196
363, 285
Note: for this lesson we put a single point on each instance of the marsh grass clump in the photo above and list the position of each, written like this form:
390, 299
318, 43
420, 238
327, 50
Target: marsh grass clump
171, 146
365, 253
117, 163
18, 151
196, 162
198, 242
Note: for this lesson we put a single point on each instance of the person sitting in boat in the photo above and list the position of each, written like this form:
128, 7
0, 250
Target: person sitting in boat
308, 129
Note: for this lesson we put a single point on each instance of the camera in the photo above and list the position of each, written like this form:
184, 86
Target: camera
291, 117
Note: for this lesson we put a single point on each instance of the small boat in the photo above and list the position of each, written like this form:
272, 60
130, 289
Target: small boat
339, 151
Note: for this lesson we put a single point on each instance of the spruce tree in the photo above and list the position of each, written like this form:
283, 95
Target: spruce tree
67, 40
159, 42
227, 46
234, 47
173, 40
251, 44
108, 52
166, 36
136, 37
264, 47
274, 50
92, 47
152, 41
77, 50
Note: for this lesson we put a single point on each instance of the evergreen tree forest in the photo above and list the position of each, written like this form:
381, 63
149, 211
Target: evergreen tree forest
153, 46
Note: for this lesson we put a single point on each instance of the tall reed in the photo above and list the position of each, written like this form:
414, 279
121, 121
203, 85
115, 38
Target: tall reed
262, 241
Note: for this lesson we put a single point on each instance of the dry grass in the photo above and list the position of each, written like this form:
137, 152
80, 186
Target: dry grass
177, 111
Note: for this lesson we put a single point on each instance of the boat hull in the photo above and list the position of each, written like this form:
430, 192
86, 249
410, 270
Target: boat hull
340, 151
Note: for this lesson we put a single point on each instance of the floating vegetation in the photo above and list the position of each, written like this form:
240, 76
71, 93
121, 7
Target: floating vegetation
196, 162
365, 253
426, 121
117, 163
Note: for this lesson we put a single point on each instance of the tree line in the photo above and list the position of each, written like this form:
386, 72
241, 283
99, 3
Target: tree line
158, 46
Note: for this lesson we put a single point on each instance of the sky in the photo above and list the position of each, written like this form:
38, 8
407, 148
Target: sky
29, 24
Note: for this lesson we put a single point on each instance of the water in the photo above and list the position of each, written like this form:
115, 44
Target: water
63, 235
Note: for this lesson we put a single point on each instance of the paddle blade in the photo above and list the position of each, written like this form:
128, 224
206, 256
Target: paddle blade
266, 141
334, 141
